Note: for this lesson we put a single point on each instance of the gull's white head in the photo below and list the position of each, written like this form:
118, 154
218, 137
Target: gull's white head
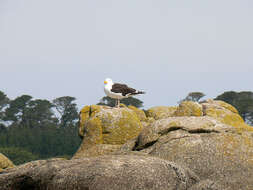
108, 81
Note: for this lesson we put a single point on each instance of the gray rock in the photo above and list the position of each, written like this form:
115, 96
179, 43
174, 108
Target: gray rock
124, 172
211, 149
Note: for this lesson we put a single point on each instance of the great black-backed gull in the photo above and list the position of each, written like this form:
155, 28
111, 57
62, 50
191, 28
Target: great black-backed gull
119, 91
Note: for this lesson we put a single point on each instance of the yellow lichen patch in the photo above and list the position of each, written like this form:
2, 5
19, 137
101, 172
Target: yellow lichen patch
189, 108
161, 112
93, 131
119, 125
122, 105
89, 111
140, 113
102, 124
223, 104
5, 162
225, 116
86, 113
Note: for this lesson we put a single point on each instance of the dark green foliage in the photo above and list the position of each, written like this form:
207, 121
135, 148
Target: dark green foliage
17, 108
38, 113
18, 155
4, 100
46, 142
32, 113
242, 101
31, 128
127, 101
193, 96
67, 110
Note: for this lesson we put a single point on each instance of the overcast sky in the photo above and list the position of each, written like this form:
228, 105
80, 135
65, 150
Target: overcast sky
168, 48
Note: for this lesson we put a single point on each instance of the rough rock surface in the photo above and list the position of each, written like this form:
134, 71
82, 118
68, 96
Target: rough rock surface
95, 150
5, 162
104, 128
125, 172
211, 149
207, 185
161, 112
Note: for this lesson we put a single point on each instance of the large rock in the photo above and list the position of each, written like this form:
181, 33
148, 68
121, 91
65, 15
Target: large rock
125, 172
161, 112
213, 150
104, 129
5, 162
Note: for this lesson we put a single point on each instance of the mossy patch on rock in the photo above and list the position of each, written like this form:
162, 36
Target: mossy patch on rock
189, 108
5, 162
225, 113
140, 113
223, 104
161, 112
106, 125
85, 113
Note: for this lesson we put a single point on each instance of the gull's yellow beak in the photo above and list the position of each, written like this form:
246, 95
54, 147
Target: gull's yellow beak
105, 82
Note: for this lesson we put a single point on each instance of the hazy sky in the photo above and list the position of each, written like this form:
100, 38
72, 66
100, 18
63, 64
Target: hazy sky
168, 48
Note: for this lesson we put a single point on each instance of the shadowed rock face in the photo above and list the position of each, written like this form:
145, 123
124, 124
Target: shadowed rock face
124, 172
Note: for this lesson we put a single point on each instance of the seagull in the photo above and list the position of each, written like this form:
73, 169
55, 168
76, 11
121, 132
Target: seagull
119, 91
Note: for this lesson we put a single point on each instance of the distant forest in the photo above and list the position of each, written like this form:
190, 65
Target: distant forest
32, 129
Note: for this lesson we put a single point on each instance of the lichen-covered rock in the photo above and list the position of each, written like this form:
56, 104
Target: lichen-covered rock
224, 113
211, 149
108, 126
116, 125
5, 162
189, 108
218, 104
124, 172
140, 113
161, 112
